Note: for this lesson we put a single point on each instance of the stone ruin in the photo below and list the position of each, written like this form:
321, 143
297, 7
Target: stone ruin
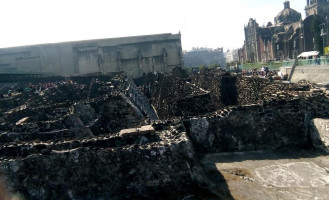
107, 136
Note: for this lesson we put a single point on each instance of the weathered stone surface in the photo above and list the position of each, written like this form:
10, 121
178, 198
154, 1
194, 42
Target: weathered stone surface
174, 96
105, 142
93, 172
199, 132
274, 174
85, 105
271, 125
320, 133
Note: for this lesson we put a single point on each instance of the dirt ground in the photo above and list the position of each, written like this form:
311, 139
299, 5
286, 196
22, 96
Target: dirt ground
281, 174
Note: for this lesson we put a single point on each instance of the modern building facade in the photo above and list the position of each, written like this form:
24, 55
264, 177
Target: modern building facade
133, 55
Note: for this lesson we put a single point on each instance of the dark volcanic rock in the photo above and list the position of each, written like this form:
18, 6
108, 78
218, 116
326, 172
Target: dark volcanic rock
98, 136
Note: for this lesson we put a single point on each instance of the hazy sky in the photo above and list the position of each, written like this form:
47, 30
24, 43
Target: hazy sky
211, 23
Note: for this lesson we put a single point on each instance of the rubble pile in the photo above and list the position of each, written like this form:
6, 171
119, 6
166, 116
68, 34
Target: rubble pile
227, 90
255, 90
77, 139
210, 90
211, 80
174, 96
77, 107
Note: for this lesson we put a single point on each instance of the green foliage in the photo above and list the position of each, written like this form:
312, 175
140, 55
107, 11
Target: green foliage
272, 65
202, 67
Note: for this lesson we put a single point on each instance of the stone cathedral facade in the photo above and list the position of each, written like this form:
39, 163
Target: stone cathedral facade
287, 37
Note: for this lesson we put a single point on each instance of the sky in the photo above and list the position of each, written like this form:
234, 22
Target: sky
202, 23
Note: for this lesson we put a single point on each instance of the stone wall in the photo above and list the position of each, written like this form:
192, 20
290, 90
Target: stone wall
140, 99
101, 168
314, 74
271, 125
178, 94
96, 107
229, 90
173, 96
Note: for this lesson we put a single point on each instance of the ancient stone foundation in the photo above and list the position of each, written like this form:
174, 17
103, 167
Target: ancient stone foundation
110, 137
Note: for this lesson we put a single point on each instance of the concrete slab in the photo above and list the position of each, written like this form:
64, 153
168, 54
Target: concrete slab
284, 174
294, 174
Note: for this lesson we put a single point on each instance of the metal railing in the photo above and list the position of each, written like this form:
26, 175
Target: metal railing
318, 61
272, 65
307, 62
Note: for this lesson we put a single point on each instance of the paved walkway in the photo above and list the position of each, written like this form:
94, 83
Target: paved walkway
284, 174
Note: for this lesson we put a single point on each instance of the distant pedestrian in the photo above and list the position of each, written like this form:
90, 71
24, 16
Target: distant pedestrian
266, 70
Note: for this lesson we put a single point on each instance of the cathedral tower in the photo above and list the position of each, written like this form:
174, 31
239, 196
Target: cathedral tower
287, 15
317, 7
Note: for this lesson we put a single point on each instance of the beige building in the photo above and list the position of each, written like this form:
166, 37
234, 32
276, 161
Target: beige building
232, 56
204, 57
134, 55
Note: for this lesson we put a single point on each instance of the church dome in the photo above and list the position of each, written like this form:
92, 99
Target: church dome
287, 15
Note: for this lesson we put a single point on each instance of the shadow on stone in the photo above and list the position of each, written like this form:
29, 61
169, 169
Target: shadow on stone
228, 90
